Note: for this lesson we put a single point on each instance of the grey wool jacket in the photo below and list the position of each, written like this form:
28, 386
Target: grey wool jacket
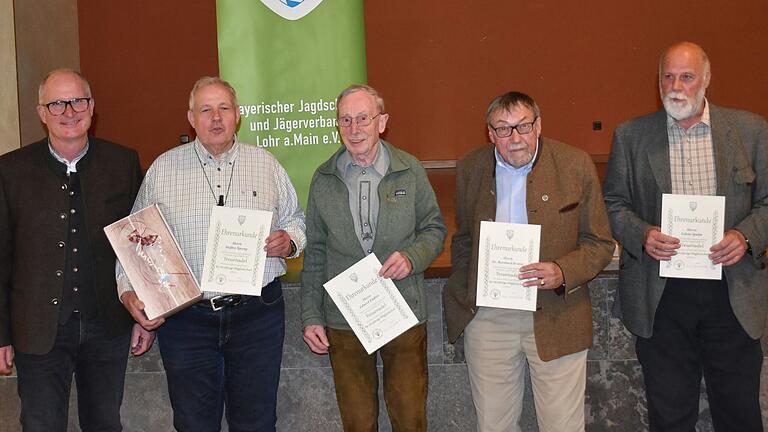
409, 221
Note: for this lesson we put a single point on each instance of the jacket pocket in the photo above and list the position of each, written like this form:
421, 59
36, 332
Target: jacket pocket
569, 207
744, 175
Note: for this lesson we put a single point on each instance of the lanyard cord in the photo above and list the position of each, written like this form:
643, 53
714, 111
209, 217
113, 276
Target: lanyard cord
222, 198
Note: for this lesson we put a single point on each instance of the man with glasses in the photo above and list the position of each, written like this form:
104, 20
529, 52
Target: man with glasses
370, 197
526, 179
59, 312
689, 328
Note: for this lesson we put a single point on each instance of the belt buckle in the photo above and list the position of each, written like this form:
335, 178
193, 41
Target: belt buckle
213, 303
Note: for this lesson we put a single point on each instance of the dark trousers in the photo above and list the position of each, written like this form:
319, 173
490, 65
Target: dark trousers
695, 333
357, 381
227, 356
98, 363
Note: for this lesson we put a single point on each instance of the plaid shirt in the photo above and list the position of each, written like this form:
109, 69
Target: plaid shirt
692, 157
186, 183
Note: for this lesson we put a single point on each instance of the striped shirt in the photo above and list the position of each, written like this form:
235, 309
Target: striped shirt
692, 157
186, 183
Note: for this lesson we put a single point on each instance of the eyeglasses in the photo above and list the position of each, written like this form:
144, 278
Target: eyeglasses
522, 129
59, 106
361, 120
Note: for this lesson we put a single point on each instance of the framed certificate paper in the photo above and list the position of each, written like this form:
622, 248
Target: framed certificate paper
504, 248
153, 262
235, 255
371, 304
697, 221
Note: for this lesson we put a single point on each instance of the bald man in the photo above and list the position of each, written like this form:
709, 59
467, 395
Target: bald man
59, 311
689, 328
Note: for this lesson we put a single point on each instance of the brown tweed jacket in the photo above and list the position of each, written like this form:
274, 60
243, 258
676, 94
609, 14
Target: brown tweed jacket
563, 196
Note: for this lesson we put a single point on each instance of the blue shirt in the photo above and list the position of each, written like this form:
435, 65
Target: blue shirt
510, 190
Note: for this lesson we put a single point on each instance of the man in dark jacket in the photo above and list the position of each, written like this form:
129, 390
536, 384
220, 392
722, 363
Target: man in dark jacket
59, 311
690, 327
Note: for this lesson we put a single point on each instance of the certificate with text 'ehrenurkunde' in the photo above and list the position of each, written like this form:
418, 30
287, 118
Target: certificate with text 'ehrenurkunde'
504, 248
371, 304
697, 220
235, 255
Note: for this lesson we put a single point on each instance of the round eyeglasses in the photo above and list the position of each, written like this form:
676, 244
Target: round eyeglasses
58, 107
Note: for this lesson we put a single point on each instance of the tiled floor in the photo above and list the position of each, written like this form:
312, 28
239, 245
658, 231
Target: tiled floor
615, 398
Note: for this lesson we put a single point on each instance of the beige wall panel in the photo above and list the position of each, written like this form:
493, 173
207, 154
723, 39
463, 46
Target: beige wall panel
9, 105
46, 38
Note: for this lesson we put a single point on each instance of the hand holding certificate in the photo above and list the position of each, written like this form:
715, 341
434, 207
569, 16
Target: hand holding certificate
371, 304
697, 221
504, 248
235, 255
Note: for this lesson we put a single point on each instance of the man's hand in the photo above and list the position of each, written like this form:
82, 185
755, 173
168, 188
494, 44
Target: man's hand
396, 267
730, 249
548, 275
314, 336
141, 340
660, 247
278, 244
136, 308
6, 360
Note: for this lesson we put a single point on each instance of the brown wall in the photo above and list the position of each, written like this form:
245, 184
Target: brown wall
9, 91
439, 62
142, 58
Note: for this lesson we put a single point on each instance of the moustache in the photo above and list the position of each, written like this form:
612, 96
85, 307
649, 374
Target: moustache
676, 95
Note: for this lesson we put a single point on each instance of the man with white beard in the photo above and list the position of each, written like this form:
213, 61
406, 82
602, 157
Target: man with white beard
687, 328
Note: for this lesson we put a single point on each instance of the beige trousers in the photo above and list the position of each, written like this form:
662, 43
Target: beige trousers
497, 343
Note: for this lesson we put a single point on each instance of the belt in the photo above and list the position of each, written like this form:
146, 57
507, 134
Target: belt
221, 302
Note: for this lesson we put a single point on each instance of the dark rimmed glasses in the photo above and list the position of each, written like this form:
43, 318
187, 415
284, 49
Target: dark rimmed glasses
58, 107
521, 128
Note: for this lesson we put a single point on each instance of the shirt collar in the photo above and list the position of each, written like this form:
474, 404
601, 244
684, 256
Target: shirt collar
71, 165
226, 157
705, 119
380, 162
521, 171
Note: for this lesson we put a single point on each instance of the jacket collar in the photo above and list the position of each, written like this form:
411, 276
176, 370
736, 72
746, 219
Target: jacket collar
726, 145
44, 154
536, 156
396, 162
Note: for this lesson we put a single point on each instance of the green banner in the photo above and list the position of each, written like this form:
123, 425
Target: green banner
288, 60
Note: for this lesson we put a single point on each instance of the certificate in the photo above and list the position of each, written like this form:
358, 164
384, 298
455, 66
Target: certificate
371, 304
153, 262
504, 248
235, 255
697, 221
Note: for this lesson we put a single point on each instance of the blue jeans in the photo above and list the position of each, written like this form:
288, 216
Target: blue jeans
98, 363
227, 356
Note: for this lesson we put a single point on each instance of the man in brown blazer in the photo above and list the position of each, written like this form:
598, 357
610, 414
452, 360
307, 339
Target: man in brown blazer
523, 178
59, 312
